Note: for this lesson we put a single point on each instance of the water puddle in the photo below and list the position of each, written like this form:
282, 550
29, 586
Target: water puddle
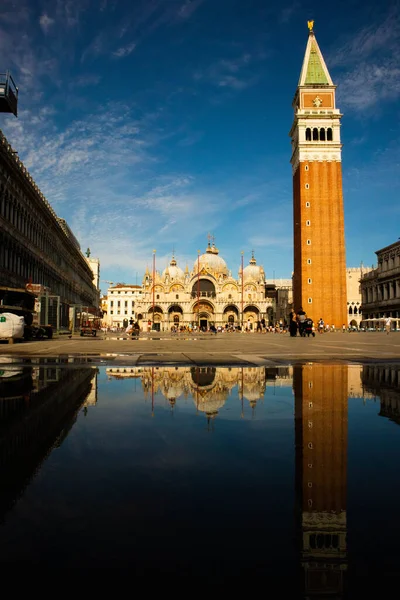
273, 471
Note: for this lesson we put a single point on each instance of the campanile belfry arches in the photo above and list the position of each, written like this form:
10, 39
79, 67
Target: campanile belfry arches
319, 278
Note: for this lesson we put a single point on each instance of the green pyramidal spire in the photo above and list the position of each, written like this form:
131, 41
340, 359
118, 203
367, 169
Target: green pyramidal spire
315, 71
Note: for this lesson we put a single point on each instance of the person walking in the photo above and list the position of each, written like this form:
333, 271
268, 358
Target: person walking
388, 324
292, 324
301, 318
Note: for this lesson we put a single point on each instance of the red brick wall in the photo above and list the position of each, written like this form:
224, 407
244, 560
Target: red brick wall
327, 250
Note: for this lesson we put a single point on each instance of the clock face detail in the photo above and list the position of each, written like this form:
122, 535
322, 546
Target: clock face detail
317, 101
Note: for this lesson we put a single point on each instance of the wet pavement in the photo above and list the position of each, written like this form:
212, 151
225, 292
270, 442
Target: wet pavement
242, 455
285, 471
233, 349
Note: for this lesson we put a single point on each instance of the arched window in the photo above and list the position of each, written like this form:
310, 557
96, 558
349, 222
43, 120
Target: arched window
308, 134
355, 310
176, 319
350, 310
322, 134
315, 134
329, 134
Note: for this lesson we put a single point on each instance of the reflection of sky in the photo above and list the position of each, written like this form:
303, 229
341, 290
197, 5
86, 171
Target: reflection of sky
139, 489
373, 486
123, 477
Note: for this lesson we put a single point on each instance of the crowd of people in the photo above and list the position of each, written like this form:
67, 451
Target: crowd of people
299, 324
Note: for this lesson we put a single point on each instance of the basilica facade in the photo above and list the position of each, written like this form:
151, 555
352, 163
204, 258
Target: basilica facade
206, 295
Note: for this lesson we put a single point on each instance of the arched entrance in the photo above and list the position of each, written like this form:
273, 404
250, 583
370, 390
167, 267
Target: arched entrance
203, 314
251, 315
175, 315
230, 316
155, 323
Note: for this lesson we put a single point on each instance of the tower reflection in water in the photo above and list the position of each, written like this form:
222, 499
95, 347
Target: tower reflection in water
321, 397
39, 403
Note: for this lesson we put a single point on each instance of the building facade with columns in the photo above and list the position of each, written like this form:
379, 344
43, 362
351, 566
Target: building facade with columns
354, 308
207, 294
380, 288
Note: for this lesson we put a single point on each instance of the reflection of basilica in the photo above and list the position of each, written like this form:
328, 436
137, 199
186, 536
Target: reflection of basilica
39, 403
321, 475
210, 387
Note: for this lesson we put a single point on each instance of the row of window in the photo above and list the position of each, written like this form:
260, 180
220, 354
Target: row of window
319, 134
119, 292
119, 303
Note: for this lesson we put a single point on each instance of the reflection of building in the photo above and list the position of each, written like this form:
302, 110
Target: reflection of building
210, 387
319, 279
356, 388
321, 475
380, 288
384, 381
91, 398
38, 406
207, 294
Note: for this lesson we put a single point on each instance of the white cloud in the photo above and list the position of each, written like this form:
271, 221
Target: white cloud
225, 73
186, 10
369, 84
124, 51
367, 65
46, 22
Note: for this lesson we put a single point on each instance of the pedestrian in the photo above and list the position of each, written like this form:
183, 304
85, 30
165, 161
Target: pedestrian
388, 324
301, 318
292, 324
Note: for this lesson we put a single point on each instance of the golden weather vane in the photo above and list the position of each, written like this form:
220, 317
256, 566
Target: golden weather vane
310, 25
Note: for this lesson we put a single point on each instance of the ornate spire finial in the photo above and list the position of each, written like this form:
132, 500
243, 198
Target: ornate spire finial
310, 25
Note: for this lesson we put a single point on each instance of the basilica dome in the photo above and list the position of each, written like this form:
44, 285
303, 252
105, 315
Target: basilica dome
253, 271
211, 261
173, 271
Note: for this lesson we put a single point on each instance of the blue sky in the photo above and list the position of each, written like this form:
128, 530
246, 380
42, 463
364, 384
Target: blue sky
149, 124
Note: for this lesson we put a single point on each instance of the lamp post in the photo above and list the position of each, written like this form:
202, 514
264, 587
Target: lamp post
198, 289
154, 279
242, 253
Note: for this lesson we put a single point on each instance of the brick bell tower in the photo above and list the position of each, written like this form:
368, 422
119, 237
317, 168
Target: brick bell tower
319, 279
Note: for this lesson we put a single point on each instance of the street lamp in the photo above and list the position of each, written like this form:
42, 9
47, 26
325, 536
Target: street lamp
154, 278
198, 289
242, 253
